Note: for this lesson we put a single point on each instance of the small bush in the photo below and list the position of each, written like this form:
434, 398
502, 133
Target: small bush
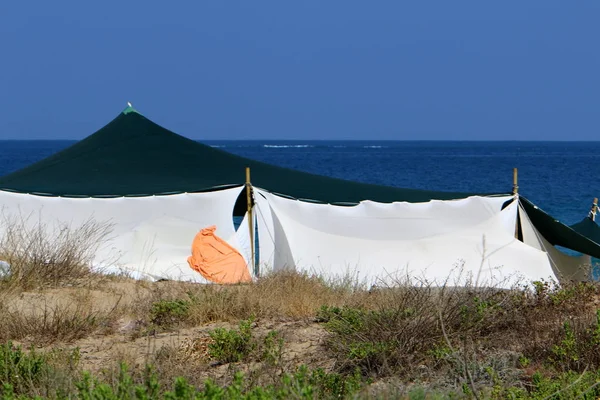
302, 384
22, 371
568, 385
379, 342
124, 387
232, 345
320, 384
166, 313
577, 347
272, 348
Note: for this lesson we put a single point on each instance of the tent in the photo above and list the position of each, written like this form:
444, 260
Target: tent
133, 156
588, 228
483, 240
158, 189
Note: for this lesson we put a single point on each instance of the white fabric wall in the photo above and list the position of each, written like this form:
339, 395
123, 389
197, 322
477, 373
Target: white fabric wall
151, 236
372, 243
266, 237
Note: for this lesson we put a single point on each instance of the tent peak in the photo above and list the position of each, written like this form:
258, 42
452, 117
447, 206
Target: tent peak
130, 109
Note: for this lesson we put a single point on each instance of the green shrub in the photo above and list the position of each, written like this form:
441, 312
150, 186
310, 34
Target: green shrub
376, 342
272, 348
343, 320
567, 351
320, 384
578, 346
232, 345
302, 384
568, 385
21, 371
166, 313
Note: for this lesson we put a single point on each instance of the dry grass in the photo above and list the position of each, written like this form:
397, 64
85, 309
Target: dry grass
43, 256
447, 337
46, 294
282, 296
467, 330
451, 337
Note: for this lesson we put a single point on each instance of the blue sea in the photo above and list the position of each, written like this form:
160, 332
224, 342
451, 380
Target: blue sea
560, 177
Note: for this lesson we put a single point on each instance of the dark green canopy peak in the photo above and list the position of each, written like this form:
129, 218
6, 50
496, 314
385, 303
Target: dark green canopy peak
129, 109
133, 156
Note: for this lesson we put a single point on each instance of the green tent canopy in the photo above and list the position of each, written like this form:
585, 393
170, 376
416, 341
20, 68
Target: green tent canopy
559, 234
133, 156
588, 228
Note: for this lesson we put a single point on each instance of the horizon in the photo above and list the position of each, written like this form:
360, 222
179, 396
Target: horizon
338, 140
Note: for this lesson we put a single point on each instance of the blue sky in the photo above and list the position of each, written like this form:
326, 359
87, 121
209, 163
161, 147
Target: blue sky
449, 70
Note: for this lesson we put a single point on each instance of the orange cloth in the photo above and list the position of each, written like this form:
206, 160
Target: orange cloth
216, 260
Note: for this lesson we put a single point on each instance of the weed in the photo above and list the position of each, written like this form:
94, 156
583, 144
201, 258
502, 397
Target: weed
272, 350
232, 345
524, 362
166, 313
566, 352
22, 371
302, 384
440, 352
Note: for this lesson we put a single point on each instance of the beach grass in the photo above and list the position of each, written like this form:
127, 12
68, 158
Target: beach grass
67, 332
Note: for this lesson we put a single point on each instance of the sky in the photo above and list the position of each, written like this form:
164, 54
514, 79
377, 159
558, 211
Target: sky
304, 70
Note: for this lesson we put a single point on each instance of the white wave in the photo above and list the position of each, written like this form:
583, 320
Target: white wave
285, 146
375, 147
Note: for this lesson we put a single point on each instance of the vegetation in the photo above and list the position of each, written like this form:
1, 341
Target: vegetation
69, 333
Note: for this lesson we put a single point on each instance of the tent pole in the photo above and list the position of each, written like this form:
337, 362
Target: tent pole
250, 219
515, 191
594, 209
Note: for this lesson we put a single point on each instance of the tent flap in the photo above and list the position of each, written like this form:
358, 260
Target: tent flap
588, 228
557, 233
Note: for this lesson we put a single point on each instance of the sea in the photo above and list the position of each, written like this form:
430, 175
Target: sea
562, 178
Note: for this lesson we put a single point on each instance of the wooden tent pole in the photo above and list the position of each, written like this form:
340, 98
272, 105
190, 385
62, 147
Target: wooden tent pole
250, 219
515, 191
594, 209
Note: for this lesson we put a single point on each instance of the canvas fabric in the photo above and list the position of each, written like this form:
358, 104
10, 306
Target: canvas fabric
449, 242
588, 228
133, 156
557, 233
566, 267
150, 237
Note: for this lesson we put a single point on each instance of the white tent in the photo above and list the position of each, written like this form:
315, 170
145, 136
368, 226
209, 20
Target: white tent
438, 242
149, 236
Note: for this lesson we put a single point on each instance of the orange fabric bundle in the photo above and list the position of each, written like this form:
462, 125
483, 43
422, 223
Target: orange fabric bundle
216, 260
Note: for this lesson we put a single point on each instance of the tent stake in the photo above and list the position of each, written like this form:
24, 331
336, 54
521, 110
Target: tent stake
250, 219
594, 209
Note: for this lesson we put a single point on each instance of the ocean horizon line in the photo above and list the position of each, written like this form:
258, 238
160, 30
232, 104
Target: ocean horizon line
338, 140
